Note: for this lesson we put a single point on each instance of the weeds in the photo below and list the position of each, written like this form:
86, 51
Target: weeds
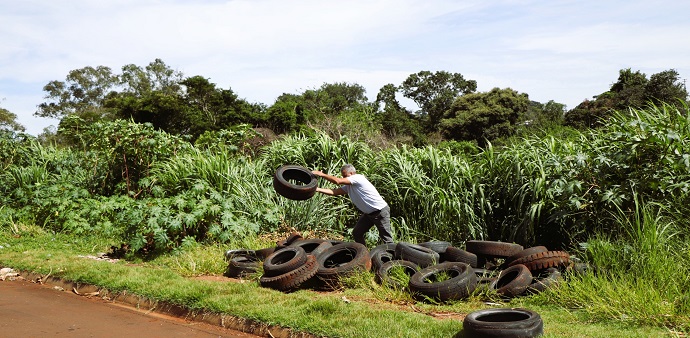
640, 277
623, 190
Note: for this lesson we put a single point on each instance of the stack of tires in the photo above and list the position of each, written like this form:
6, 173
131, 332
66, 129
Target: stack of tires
296, 261
437, 270
288, 268
442, 272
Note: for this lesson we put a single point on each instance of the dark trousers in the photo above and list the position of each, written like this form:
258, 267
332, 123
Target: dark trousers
382, 220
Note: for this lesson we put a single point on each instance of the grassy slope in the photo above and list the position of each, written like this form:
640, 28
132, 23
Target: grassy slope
322, 314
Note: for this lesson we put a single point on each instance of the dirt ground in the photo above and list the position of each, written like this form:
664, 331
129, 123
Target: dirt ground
34, 310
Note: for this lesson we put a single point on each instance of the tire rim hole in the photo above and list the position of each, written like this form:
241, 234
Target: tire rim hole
503, 317
340, 259
441, 276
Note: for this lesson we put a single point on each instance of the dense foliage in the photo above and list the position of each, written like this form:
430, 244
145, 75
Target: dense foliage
157, 191
631, 90
189, 106
158, 162
616, 196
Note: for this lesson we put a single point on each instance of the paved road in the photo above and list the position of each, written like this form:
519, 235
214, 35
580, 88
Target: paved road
33, 310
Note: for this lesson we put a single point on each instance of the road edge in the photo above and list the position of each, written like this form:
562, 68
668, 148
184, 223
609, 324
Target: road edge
146, 306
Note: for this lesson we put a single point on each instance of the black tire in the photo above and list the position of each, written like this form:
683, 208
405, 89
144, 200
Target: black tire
389, 247
544, 260
502, 323
292, 279
577, 268
287, 174
523, 253
342, 260
294, 236
493, 249
336, 241
454, 254
382, 274
512, 281
460, 285
237, 253
381, 257
284, 260
548, 279
241, 266
484, 284
314, 246
265, 252
438, 246
420, 255
485, 273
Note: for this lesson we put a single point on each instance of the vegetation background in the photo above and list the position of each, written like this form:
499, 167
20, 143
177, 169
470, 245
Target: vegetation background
159, 164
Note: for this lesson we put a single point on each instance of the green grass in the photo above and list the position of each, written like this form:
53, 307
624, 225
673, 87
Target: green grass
641, 278
617, 196
369, 311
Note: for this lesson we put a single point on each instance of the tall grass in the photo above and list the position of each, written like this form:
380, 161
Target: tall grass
649, 150
245, 186
641, 276
624, 190
436, 193
538, 190
318, 152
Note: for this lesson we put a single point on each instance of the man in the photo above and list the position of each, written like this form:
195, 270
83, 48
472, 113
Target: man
366, 198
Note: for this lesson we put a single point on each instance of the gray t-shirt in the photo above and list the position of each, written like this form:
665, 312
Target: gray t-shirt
363, 194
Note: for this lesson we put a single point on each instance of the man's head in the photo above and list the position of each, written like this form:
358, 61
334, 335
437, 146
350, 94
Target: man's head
347, 170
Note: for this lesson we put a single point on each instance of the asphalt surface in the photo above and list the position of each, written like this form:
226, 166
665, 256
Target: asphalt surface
33, 310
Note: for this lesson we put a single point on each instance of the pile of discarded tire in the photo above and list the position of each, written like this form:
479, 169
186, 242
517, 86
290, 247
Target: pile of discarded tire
442, 272
438, 271
294, 261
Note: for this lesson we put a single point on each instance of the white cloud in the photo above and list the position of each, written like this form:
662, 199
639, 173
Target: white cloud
564, 50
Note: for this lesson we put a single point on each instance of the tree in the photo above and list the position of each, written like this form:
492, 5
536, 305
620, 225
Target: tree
435, 92
319, 107
395, 120
484, 116
332, 99
286, 114
666, 87
162, 111
631, 90
82, 93
91, 92
193, 107
211, 108
541, 115
8, 121
591, 113
156, 76
628, 91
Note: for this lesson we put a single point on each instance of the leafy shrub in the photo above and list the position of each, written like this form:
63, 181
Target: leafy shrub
120, 153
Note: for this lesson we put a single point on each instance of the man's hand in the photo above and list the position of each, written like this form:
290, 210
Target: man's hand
332, 179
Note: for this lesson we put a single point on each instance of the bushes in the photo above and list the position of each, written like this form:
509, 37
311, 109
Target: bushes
647, 151
120, 153
540, 189
622, 190
639, 275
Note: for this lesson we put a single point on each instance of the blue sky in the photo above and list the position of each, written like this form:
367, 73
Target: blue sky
565, 51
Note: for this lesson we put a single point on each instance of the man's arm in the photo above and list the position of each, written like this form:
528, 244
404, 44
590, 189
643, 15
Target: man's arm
332, 179
331, 192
